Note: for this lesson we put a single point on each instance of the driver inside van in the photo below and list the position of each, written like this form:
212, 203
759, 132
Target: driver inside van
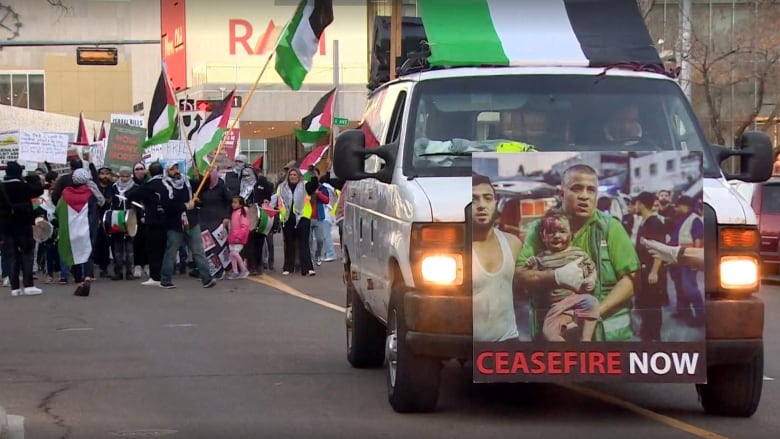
623, 125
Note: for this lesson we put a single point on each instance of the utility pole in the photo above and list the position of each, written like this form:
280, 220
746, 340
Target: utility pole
334, 129
396, 24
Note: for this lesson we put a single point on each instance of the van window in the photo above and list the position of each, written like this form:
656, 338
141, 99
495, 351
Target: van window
770, 199
453, 117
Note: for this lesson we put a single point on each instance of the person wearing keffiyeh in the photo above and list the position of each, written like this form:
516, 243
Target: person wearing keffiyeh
122, 243
182, 224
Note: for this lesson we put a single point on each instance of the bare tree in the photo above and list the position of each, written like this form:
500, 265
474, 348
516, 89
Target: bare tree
645, 7
742, 60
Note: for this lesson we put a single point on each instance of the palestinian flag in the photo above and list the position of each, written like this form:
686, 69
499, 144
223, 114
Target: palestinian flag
82, 138
316, 125
301, 38
211, 132
536, 32
312, 159
102, 135
74, 243
162, 124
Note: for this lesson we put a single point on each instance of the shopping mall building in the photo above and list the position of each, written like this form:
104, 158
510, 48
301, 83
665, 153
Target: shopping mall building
209, 48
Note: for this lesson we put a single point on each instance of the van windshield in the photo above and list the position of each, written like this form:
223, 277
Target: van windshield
453, 117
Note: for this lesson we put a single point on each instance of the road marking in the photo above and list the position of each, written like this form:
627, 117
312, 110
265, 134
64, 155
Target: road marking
283, 287
179, 325
74, 329
766, 378
645, 413
603, 397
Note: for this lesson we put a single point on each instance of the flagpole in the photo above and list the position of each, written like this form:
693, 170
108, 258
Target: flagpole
334, 129
233, 124
180, 117
240, 112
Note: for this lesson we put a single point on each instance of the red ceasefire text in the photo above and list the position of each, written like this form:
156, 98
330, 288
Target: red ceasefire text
552, 363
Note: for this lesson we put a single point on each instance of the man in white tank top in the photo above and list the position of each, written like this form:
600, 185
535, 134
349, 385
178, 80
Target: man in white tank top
493, 267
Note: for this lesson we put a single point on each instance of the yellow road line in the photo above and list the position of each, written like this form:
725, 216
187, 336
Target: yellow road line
645, 413
582, 390
283, 287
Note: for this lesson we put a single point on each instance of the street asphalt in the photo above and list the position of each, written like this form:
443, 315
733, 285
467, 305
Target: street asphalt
248, 360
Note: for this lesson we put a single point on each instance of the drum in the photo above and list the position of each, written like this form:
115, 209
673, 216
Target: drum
253, 214
265, 219
120, 222
42, 230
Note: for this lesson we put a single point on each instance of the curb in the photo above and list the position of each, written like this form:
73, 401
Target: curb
11, 427
4, 433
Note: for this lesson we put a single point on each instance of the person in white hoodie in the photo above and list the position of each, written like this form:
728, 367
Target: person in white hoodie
329, 220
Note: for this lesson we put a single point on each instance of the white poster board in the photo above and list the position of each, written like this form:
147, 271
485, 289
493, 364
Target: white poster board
172, 150
43, 147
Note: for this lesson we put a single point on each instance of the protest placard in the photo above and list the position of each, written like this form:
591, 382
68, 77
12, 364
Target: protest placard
127, 119
43, 147
122, 146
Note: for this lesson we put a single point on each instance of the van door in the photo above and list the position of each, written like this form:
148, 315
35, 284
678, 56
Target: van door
378, 216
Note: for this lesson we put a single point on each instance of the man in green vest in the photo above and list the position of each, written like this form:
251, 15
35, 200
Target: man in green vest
604, 239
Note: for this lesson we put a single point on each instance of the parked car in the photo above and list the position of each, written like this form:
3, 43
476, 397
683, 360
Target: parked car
764, 198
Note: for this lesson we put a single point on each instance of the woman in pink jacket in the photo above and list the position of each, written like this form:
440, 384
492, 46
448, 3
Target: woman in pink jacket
237, 238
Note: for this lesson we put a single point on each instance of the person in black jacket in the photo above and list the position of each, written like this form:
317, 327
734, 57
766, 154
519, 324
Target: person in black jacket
233, 177
16, 221
121, 242
262, 191
182, 224
149, 194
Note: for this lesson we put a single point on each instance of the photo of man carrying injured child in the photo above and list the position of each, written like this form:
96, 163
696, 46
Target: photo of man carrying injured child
561, 251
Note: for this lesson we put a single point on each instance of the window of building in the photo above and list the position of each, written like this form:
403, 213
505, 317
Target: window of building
670, 166
653, 169
637, 172
24, 89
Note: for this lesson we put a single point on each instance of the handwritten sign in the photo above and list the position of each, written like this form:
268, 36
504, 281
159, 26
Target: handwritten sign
127, 119
97, 153
173, 149
43, 147
122, 148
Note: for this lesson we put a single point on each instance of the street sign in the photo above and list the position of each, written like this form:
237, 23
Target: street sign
341, 121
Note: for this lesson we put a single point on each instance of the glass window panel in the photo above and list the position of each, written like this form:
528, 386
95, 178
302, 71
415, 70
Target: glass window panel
36, 92
19, 88
5, 89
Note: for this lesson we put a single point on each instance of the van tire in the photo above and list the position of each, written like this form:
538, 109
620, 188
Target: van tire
733, 389
366, 337
412, 381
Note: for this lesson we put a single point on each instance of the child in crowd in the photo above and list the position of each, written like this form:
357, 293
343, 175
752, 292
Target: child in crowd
238, 237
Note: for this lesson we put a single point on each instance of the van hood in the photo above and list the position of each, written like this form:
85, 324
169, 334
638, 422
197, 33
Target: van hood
729, 207
448, 197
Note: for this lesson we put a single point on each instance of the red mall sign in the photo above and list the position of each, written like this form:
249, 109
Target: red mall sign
173, 23
242, 37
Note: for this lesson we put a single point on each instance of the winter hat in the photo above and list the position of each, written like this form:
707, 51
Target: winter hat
240, 158
81, 176
126, 171
75, 164
155, 169
13, 170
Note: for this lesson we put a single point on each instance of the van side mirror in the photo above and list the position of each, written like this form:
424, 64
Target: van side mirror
349, 157
754, 150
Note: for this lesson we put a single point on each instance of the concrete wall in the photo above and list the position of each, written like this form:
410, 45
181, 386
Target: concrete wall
23, 119
95, 90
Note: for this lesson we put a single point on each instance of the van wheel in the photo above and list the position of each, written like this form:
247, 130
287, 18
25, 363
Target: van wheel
365, 334
412, 380
734, 389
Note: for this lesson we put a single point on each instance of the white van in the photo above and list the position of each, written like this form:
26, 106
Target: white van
406, 238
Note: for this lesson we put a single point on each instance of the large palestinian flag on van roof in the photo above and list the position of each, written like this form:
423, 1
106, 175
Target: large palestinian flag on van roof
536, 32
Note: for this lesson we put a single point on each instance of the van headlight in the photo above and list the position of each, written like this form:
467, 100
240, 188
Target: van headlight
442, 269
738, 273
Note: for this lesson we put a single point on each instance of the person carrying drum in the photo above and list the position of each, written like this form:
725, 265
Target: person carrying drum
120, 223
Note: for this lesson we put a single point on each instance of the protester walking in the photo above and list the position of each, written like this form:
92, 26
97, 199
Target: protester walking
149, 195
182, 223
16, 221
237, 239
294, 202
